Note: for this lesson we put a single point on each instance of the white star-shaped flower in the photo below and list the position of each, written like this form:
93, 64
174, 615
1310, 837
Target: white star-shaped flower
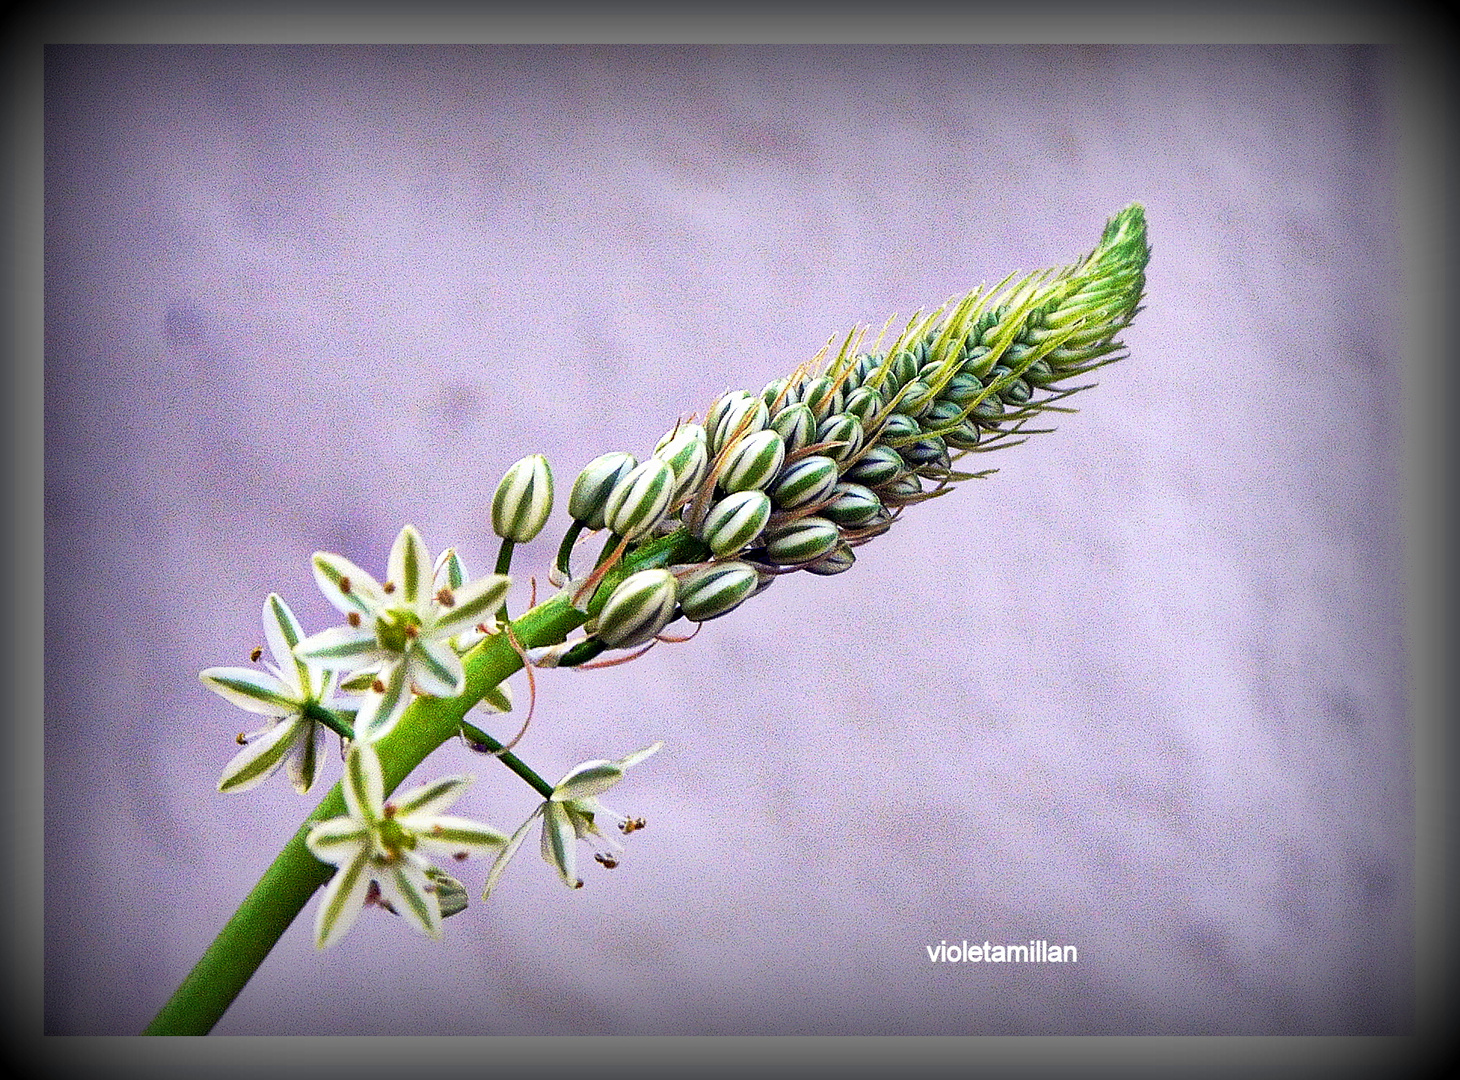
569, 815
403, 629
292, 692
386, 843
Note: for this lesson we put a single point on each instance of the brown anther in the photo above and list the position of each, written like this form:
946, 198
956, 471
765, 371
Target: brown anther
578, 884
445, 597
241, 739
461, 856
438, 829
345, 585
258, 650
388, 809
481, 628
388, 587
353, 618
607, 861
378, 686
413, 632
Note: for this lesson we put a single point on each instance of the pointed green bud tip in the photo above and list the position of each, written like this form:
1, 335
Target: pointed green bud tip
686, 451
638, 609
523, 501
716, 590
822, 396
796, 425
639, 500
753, 462
594, 484
735, 521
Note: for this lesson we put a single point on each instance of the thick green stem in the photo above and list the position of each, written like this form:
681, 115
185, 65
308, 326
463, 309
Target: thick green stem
287, 885
290, 881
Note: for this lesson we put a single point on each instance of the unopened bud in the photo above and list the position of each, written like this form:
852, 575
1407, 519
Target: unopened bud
845, 431
594, 485
735, 521
687, 453
753, 462
801, 541
638, 609
803, 482
524, 499
716, 590
836, 561
851, 506
796, 425
639, 500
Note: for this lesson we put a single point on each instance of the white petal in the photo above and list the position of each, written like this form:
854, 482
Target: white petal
363, 786
345, 585
495, 873
257, 761
340, 648
257, 691
435, 668
637, 756
339, 841
340, 905
282, 632
428, 800
559, 844
379, 711
587, 779
407, 888
409, 569
305, 759
475, 602
455, 836
450, 573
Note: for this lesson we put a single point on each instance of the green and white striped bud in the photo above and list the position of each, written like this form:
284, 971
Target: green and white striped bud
686, 451
796, 425
801, 541
851, 506
638, 503
822, 396
897, 429
735, 521
744, 415
753, 462
594, 485
963, 437
716, 590
962, 388
523, 501
930, 450
779, 393
864, 403
916, 398
638, 609
836, 561
877, 466
899, 491
803, 482
844, 430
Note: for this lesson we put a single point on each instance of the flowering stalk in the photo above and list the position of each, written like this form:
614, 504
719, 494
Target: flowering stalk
794, 478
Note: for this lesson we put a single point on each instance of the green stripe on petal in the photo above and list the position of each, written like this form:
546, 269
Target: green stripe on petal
559, 843
430, 799
340, 905
408, 565
435, 668
505, 856
260, 758
257, 691
477, 601
282, 632
305, 760
454, 836
345, 585
340, 647
380, 711
339, 840
406, 887
362, 785
588, 779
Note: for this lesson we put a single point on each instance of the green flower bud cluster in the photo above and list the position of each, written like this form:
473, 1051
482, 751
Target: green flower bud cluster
822, 461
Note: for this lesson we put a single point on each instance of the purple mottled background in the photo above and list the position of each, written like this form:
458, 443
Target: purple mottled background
1143, 692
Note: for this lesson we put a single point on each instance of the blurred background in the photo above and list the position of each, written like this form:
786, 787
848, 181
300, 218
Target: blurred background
1142, 692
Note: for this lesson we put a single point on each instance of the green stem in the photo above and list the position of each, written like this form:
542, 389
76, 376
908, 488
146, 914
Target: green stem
504, 567
481, 740
248, 937
565, 550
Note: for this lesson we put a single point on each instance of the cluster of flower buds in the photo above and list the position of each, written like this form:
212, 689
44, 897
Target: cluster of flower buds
797, 476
